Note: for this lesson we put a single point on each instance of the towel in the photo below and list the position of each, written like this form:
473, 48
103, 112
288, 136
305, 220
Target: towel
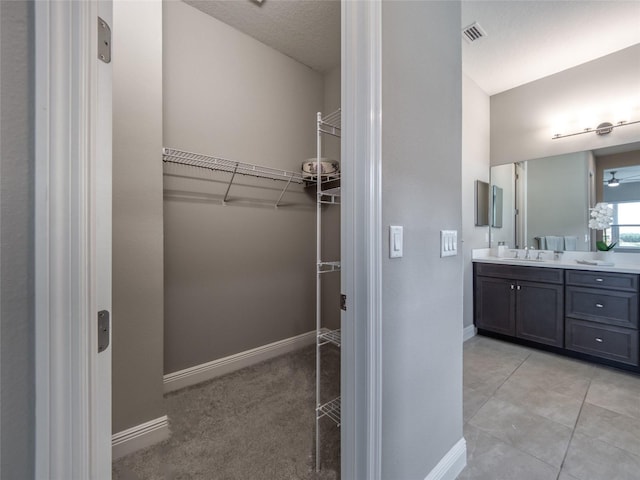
554, 243
570, 243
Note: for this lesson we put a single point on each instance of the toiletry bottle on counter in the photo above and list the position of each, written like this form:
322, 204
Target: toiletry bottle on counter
502, 250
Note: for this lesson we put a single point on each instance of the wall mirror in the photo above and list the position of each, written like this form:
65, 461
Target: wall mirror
545, 202
482, 203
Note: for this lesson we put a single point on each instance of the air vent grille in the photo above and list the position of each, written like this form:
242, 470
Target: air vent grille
473, 32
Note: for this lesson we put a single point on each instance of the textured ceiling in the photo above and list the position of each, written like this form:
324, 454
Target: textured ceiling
528, 40
308, 31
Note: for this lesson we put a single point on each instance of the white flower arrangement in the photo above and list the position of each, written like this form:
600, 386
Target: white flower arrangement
601, 219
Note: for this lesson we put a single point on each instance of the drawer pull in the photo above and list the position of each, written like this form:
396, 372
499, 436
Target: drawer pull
599, 305
599, 340
512, 287
599, 279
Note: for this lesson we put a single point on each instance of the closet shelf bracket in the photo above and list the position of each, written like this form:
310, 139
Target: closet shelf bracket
233, 175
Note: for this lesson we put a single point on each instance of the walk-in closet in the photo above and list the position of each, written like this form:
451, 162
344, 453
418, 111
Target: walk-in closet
226, 330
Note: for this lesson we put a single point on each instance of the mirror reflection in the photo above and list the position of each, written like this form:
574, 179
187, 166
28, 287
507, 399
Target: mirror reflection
546, 202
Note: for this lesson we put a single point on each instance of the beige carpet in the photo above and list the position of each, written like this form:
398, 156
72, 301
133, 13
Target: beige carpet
256, 423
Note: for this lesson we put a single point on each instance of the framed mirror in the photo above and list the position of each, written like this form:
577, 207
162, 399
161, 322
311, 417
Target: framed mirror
482, 203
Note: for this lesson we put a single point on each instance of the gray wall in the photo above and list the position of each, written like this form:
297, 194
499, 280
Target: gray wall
242, 275
17, 391
475, 166
137, 214
421, 189
522, 118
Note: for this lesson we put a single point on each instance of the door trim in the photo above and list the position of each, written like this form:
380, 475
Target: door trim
361, 239
69, 436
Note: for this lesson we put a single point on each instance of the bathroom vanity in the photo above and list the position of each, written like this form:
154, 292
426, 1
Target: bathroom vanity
590, 312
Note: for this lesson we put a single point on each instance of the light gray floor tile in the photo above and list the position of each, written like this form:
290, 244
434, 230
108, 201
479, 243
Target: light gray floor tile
592, 459
498, 346
485, 370
472, 401
566, 476
615, 391
610, 427
538, 436
557, 374
530, 395
490, 459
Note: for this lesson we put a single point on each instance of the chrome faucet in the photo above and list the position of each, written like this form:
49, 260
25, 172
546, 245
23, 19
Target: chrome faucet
527, 253
539, 257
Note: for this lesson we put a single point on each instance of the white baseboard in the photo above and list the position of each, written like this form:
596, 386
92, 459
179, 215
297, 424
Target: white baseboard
450, 466
207, 371
468, 332
140, 436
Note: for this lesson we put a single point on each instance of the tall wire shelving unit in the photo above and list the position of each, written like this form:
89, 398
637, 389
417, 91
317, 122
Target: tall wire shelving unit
327, 193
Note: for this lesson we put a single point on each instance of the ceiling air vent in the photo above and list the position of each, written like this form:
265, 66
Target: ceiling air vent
473, 32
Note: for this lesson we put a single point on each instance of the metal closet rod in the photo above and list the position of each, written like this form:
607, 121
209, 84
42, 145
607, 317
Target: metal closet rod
209, 162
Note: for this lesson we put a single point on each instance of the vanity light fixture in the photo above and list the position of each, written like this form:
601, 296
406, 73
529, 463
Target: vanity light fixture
603, 129
613, 181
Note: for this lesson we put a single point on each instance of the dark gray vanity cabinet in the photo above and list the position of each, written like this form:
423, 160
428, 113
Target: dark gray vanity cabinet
524, 302
602, 315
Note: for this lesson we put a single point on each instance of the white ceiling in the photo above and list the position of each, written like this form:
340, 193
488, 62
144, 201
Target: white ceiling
526, 40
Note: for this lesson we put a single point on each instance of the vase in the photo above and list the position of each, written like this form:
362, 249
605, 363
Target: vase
605, 256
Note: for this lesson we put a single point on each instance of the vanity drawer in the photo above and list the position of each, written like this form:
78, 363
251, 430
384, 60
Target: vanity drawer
517, 272
603, 306
613, 343
617, 281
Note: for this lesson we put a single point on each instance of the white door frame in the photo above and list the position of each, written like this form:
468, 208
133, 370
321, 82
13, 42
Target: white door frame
73, 417
361, 239
72, 243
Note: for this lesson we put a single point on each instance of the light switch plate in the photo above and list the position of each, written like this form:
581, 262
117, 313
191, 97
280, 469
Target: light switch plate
395, 241
448, 243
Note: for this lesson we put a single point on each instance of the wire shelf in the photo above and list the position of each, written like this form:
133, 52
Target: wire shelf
331, 123
330, 409
326, 267
209, 162
329, 336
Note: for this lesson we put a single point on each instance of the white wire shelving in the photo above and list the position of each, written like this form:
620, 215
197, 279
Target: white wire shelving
330, 336
213, 163
327, 193
330, 409
328, 267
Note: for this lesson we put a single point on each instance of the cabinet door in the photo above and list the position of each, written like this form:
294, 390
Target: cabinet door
539, 313
495, 305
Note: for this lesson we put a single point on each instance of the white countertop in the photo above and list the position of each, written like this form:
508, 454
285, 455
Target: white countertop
622, 263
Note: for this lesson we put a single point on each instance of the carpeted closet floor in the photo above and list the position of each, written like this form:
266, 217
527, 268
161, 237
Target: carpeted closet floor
256, 423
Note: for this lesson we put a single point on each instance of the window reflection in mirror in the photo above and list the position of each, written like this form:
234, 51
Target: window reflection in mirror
621, 190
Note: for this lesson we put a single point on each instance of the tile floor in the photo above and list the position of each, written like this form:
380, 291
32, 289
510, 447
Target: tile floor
532, 415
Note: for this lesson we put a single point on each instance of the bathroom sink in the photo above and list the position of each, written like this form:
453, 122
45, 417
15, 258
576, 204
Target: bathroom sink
524, 260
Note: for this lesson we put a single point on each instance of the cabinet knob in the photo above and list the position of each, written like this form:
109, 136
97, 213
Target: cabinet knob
599, 340
518, 287
599, 305
599, 279
512, 286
